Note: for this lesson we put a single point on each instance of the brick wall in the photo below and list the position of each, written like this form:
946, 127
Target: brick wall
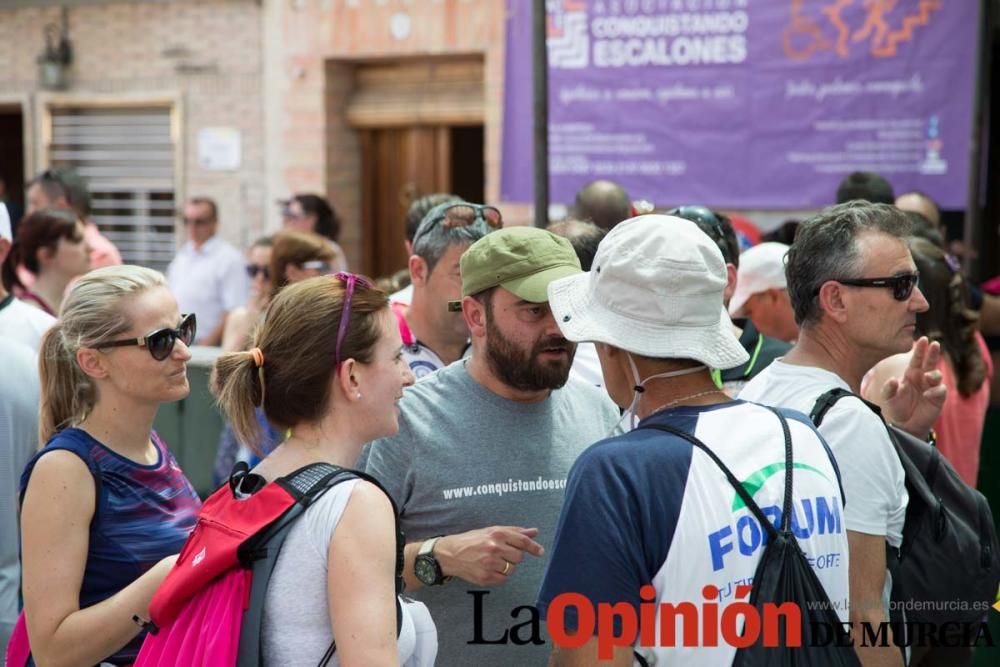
207, 53
319, 45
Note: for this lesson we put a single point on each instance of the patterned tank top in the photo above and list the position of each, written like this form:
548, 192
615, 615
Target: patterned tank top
142, 514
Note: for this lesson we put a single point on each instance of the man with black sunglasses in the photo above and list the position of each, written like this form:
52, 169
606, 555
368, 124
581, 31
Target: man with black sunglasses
207, 276
852, 284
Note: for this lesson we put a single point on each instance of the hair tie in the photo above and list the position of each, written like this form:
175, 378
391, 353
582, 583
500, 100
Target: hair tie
258, 356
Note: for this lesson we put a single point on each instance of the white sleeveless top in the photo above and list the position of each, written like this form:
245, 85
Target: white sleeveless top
296, 628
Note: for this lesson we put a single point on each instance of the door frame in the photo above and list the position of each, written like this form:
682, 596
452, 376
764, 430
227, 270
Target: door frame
24, 102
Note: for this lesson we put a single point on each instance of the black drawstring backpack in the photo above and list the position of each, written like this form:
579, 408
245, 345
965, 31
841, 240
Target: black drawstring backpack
784, 575
949, 551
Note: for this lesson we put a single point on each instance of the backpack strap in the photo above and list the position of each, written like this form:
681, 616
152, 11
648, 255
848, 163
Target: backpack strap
306, 485
916, 481
827, 401
735, 483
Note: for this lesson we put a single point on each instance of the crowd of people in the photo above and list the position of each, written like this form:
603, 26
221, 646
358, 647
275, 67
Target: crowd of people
543, 412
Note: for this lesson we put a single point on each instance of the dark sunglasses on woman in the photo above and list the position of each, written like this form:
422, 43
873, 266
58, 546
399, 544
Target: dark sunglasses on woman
160, 343
254, 269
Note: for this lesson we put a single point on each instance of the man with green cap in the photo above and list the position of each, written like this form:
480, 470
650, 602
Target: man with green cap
484, 446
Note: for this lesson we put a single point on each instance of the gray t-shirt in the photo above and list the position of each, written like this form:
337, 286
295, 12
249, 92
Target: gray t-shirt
466, 458
18, 441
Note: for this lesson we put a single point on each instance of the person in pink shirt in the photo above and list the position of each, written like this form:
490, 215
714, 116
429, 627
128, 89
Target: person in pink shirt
64, 188
965, 366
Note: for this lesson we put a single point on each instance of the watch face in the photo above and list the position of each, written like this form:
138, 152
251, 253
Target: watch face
426, 570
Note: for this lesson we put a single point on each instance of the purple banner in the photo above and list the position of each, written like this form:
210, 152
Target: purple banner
746, 103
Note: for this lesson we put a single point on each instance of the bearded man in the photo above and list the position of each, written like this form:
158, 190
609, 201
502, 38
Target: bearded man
484, 447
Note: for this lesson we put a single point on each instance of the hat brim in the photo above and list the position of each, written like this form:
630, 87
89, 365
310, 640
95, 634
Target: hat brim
534, 287
582, 319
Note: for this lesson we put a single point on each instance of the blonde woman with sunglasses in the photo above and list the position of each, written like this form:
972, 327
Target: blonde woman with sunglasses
104, 505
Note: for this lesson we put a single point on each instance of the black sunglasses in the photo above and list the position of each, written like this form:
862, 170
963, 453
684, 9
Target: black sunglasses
253, 270
160, 343
901, 285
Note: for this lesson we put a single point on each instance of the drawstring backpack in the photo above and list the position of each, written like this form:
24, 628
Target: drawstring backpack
784, 575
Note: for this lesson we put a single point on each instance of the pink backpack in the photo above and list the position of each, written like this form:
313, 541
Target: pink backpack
18, 648
209, 609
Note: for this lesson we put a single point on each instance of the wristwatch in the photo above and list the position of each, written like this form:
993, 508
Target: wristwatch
426, 567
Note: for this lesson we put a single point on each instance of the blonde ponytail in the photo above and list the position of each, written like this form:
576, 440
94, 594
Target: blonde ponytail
67, 394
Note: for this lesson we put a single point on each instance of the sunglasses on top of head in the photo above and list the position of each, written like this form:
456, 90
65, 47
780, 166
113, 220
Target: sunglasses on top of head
351, 281
320, 265
463, 215
901, 285
160, 343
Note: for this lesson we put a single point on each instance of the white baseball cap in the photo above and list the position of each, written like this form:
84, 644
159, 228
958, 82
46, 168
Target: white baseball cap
762, 267
5, 232
655, 289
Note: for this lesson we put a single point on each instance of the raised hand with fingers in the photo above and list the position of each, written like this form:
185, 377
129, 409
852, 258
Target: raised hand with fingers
914, 401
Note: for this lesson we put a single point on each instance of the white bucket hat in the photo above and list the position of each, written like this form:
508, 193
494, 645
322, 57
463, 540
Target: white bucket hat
655, 289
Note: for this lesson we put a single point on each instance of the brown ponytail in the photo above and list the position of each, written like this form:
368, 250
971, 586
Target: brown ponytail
236, 383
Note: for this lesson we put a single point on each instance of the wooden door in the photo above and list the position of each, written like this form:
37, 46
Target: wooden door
399, 164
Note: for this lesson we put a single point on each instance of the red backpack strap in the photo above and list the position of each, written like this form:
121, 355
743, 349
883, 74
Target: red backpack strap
399, 310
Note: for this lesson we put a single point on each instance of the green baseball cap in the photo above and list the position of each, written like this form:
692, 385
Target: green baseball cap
522, 260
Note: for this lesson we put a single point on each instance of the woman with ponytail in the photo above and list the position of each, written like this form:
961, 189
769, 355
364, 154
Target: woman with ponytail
50, 244
104, 505
965, 363
326, 365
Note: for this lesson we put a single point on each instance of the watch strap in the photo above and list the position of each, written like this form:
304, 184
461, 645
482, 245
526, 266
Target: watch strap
428, 546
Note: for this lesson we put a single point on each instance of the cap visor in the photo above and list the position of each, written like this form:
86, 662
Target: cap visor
534, 288
737, 302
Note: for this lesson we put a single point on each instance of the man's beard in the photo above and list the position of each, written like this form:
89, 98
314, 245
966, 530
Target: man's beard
523, 371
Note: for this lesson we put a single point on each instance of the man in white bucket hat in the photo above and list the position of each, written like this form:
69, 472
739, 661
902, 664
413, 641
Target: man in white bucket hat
646, 507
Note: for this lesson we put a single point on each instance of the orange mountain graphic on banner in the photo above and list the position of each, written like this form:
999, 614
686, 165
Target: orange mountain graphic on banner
816, 27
